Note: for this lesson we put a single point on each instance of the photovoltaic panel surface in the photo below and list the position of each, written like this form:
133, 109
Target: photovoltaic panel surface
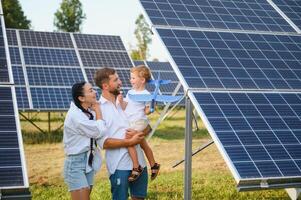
260, 133
104, 42
4, 77
228, 60
46, 63
256, 15
11, 171
45, 39
291, 8
243, 76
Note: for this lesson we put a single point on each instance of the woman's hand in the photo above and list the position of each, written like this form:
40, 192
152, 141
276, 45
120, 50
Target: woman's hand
96, 108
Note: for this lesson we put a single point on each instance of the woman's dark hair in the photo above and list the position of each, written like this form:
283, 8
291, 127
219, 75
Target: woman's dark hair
78, 91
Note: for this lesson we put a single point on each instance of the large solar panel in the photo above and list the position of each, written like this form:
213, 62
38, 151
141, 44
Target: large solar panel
258, 133
291, 8
228, 60
243, 76
12, 163
256, 15
11, 170
46, 65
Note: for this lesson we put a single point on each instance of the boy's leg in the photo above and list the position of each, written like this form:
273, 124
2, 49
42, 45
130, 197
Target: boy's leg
148, 152
133, 155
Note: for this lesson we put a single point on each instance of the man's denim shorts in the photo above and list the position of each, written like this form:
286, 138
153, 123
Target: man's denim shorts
75, 172
120, 185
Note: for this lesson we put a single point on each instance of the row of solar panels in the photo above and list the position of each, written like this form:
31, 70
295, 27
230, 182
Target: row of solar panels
45, 65
240, 62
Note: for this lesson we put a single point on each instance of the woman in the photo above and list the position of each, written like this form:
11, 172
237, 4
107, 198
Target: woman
83, 122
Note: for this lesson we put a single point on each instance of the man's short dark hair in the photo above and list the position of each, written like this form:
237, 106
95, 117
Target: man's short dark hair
102, 76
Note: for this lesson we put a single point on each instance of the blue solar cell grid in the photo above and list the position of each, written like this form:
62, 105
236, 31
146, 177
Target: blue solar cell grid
15, 56
260, 132
53, 76
45, 39
253, 15
138, 62
51, 98
235, 60
18, 75
11, 37
291, 8
10, 162
4, 77
50, 57
22, 98
161, 66
103, 42
105, 59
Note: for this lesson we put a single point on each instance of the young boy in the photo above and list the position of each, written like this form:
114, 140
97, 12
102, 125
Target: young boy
136, 113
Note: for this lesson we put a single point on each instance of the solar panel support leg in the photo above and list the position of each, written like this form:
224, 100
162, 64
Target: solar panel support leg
49, 126
293, 193
188, 149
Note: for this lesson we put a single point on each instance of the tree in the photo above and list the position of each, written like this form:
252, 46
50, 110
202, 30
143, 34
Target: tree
70, 16
14, 16
143, 36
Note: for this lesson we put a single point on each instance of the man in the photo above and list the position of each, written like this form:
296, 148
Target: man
119, 163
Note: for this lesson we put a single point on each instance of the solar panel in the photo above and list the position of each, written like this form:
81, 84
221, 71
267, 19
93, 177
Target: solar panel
243, 76
258, 132
257, 15
105, 42
51, 98
290, 8
47, 64
50, 57
4, 77
50, 76
12, 173
45, 39
235, 60
105, 59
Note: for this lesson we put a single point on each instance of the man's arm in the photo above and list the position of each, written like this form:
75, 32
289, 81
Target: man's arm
112, 143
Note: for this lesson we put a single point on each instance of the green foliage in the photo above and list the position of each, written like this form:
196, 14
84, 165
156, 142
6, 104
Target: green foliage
14, 16
69, 17
143, 36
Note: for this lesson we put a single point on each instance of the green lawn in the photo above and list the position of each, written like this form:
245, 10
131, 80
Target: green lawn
211, 178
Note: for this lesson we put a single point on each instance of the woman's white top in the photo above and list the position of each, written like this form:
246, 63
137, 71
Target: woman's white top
78, 130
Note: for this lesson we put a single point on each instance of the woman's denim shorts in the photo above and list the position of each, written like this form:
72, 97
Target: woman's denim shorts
75, 172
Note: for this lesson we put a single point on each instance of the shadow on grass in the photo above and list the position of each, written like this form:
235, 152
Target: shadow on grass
178, 132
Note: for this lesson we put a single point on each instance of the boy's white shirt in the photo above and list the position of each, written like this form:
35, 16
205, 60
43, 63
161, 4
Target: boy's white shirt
135, 110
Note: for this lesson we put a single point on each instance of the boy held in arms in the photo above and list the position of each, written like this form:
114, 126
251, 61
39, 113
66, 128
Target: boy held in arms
136, 113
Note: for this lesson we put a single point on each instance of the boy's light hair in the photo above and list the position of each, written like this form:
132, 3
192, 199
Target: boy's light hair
142, 71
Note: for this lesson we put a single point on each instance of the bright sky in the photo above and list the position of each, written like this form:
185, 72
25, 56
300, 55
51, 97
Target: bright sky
105, 17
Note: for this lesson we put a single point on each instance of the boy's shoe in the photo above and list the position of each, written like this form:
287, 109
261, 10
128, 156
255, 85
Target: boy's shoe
155, 171
136, 172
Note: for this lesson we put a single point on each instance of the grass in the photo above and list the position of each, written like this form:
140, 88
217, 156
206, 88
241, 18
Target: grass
211, 178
